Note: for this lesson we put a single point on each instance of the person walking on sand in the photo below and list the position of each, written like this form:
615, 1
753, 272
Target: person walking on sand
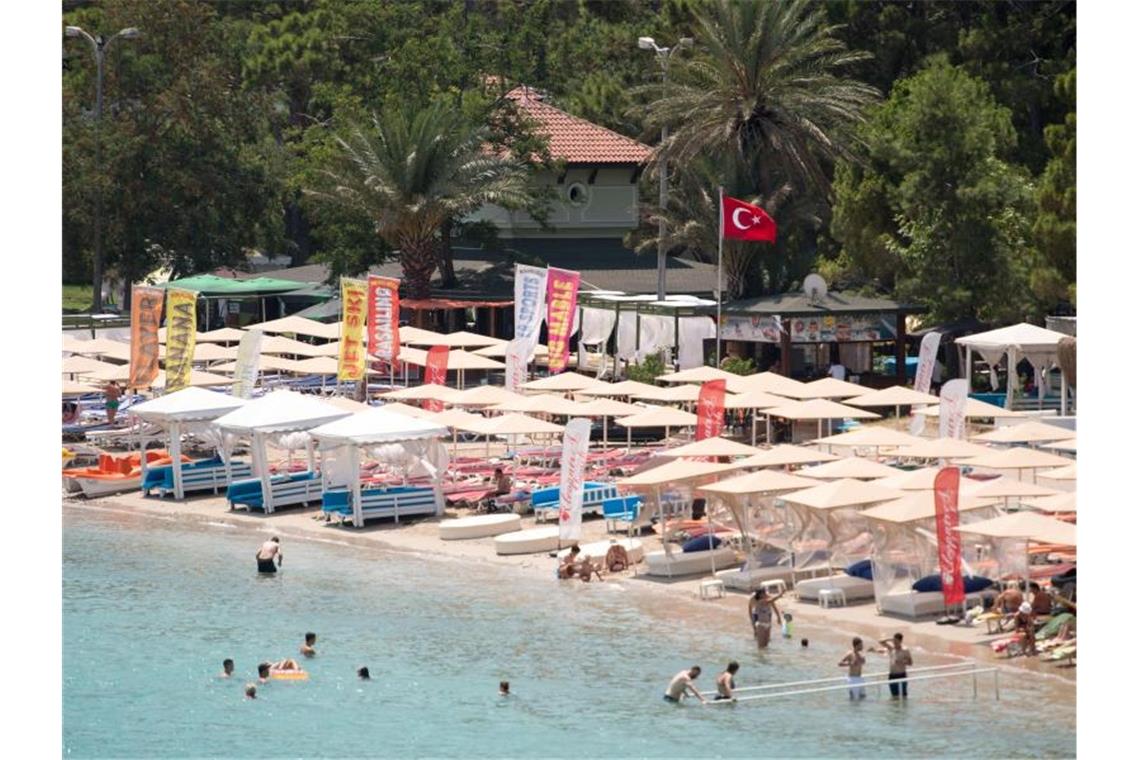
681, 683
112, 393
854, 661
726, 682
900, 659
760, 610
269, 551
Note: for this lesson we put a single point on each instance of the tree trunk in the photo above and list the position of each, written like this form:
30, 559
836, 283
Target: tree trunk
418, 260
446, 257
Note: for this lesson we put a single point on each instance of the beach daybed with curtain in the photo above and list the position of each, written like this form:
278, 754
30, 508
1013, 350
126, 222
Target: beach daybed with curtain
282, 417
192, 410
408, 447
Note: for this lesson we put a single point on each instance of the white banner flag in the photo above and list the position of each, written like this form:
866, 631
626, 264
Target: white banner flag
248, 362
518, 353
927, 354
575, 445
530, 302
952, 409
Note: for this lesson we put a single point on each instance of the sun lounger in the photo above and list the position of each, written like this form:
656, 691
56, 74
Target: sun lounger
854, 589
200, 475
545, 500
752, 578
690, 563
288, 489
622, 509
388, 501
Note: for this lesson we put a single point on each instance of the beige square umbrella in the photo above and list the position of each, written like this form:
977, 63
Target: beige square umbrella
830, 387
299, 326
276, 344
1070, 446
761, 482
753, 400
1006, 487
456, 419
333, 349
212, 352
484, 395
974, 409
407, 410
1026, 432
921, 479
848, 467
875, 437
919, 505
818, 409
499, 351
1017, 458
197, 378
1030, 526
1059, 502
461, 339
513, 425
897, 396
842, 493
349, 405
711, 447
624, 388
941, 448
683, 392
221, 335
607, 408
786, 454
465, 360
271, 363
82, 365
99, 347
544, 403
564, 382
660, 416
769, 382
425, 392
317, 365
73, 345
1068, 472
72, 388
696, 375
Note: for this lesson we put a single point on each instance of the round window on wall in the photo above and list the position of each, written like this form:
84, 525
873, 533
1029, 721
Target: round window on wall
578, 194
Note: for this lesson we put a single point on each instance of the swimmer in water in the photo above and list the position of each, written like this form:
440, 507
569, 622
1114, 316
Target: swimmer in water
726, 681
269, 551
307, 647
504, 688
263, 672
363, 674
227, 668
681, 682
250, 691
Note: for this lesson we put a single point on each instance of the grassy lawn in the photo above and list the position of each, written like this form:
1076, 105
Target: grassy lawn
77, 298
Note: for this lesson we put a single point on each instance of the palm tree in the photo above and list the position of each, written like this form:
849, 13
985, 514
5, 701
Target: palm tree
766, 81
414, 170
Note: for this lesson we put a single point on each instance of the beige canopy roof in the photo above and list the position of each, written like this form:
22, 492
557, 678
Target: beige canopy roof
913, 480
818, 409
1028, 525
72, 388
453, 418
942, 448
484, 395
348, 404
82, 365
499, 351
465, 360
544, 403
1068, 472
608, 407
212, 352
1005, 486
275, 344
221, 335
1058, 502
624, 388
786, 454
678, 393
461, 339
974, 409
271, 363
1017, 458
1026, 432
317, 365
333, 349
116, 349
299, 326
769, 382
830, 387
511, 424
764, 481
1070, 446
696, 375
842, 493
675, 471
919, 505
406, 409
73, 345
423, 392
416, 335
566, 381
897, 395
197, 378
664, 416
848, 467
711, 447
871, 436
752, 400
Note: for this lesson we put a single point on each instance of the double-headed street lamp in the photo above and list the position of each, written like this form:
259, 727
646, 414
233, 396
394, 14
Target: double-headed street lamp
664, 55
99, 46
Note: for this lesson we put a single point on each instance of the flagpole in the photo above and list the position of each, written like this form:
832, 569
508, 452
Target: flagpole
719, 259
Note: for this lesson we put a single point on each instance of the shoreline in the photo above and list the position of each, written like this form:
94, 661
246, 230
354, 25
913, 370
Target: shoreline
420, 537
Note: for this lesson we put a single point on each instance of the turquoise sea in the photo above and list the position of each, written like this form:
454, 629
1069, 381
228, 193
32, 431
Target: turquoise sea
152, 607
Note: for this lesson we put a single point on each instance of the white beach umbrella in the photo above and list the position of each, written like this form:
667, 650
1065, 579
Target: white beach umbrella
711, 447
1059, 502
696, 375
1016, 458
848, 467
1026, 432
830, 387
566, 381
297, 326
785, 454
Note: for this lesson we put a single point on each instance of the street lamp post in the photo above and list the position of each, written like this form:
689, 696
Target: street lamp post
99, 46
664, 55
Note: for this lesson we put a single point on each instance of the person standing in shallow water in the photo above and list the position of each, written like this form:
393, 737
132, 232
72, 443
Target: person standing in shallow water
854, 661
760, 610
269, 551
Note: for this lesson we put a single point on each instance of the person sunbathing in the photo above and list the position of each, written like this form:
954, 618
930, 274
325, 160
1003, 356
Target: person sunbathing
287, 664
1008, 601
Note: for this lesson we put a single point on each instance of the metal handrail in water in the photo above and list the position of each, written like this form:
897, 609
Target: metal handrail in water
839, 687
837, 679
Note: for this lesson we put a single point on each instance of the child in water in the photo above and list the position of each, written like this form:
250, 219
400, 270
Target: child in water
786, 627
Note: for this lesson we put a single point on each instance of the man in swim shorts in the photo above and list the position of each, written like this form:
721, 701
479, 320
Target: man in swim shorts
681, 682
726, 681
899, 660
265, 555
112, 393
307, 647
853, 661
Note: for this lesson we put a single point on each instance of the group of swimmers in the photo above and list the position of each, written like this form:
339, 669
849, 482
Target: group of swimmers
287, 666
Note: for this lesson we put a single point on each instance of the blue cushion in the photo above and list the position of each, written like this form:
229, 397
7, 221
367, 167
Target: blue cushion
861, 569
972, 583
701, 544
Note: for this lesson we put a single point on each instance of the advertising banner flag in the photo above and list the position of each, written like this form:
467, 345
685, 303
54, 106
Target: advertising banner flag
572, 482
384, 318
518, 352
353, 309
927, 353
952, 409
710, 409
743, 221
436, 372
146, 312
530, 302
949, 540
561, 301
181, 324
248, 362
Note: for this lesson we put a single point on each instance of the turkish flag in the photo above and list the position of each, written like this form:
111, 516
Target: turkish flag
743, 221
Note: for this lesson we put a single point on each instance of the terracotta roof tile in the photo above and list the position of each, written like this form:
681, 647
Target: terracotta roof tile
576, 140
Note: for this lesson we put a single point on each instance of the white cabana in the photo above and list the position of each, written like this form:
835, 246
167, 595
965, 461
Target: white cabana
399, 441
274, 415
186, 411
1033, 343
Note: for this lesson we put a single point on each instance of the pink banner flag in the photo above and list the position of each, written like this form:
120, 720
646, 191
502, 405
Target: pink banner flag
710, 409
436, 372
949, 540
561, 300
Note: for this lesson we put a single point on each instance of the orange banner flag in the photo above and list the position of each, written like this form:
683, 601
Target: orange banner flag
146, 312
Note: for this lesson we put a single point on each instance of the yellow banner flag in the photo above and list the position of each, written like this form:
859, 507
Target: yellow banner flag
181, 321
354, 306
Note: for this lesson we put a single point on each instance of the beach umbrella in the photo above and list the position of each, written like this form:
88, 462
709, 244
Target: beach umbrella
1026, 432
82, 365
272, 363
297, 326
484, 395
73, 345
461, 339
406, 409
848, 467
915, 506
317, 365
426, 392
534, 403
661, 416
754, 401
1016, 458
72, 388
221, 335
761, 482
768, 382
921, 479
211, 352
897, 396
684, 392
1059, 502
819, 410
564, 382
696, 375
333, 349
512, 424
277, 344
1030, 526
842, 493
1006, 487
830, 387
1068, 472
870, 436
418, 336
607, 408
499, 351
1069, 446
941, 448
348, 404
711, 447
974, 409
785, 454
456, 419
624, 388
99, 347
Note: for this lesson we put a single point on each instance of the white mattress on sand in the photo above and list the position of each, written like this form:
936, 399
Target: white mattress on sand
479, 526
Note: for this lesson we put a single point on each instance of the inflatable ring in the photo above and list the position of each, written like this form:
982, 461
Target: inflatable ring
288, 675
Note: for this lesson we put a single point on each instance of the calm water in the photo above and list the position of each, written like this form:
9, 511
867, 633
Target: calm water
151, 608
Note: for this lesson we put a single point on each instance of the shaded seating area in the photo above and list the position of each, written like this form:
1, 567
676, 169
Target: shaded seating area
210, 474
285, 490
394, 502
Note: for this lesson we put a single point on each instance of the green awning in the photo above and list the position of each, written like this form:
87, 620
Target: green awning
212, 285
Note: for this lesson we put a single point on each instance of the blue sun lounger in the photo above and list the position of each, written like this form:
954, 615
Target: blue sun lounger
199, 475
545, 500
288, 489
395, 501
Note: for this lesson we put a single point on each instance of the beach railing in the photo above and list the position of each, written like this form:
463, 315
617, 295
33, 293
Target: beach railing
839, 683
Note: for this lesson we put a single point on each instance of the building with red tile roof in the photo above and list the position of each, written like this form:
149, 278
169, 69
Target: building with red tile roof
575, 140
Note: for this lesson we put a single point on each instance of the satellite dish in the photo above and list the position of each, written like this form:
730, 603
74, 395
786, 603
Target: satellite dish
815, 288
